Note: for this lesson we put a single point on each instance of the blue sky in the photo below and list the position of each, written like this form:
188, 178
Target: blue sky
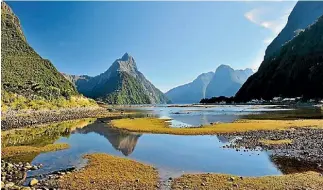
172, 42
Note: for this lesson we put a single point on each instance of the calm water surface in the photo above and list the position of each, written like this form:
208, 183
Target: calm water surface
173, 155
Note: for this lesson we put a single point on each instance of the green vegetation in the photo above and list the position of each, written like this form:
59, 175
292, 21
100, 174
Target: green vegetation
111, 172
14, 101
41, 135
296, 70
124, 89
27, 80
122, 83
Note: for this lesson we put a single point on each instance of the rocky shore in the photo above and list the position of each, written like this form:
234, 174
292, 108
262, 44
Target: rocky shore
14, 176
12, 120
306, 143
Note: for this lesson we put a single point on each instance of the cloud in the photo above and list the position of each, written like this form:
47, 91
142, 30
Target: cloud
267, 18
253, 15
259, 16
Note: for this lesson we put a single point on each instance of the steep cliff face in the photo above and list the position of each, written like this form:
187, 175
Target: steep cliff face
296, 70
122, 83
304, 14
192, 92
226, 81
23, 71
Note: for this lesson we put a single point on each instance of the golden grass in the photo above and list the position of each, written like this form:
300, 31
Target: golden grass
110, 172
306, 180
276, 142
12, 151
154, 125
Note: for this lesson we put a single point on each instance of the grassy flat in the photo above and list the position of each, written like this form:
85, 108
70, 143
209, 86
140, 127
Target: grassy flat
276, 142
307, 180
155, 125
111, 172
12, 151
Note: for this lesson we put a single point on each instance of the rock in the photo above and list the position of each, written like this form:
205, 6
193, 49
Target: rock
203, 184
2, 184
231, 179
25, 188
137, 180
241, 177
9, 184
33, 182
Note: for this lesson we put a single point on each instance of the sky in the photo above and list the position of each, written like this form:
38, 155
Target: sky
172, 42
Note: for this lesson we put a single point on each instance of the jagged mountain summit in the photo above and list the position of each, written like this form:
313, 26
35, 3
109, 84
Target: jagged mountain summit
227, 81
296, 69
224, 82
122, 83
192, 92
23, 71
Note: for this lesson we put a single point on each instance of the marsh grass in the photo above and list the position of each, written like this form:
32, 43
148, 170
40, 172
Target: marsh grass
26, 150
41, 135
110, 172
155, 125
276, 142
306, 180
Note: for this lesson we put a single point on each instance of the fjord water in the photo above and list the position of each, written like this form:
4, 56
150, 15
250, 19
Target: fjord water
172, 155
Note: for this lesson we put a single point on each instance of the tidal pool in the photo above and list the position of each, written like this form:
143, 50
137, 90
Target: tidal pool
172, 155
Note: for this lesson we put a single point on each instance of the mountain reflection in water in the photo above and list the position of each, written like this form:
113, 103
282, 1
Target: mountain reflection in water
120, 140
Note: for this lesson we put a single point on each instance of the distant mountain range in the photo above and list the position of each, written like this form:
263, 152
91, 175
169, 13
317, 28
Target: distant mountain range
293, 64
224, 82
23, 71
122, 83
191, 92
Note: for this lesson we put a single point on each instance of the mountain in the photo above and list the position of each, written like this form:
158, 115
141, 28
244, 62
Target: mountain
192, 92
296, 69
304, 14
226, 81
23, 71
122, 83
